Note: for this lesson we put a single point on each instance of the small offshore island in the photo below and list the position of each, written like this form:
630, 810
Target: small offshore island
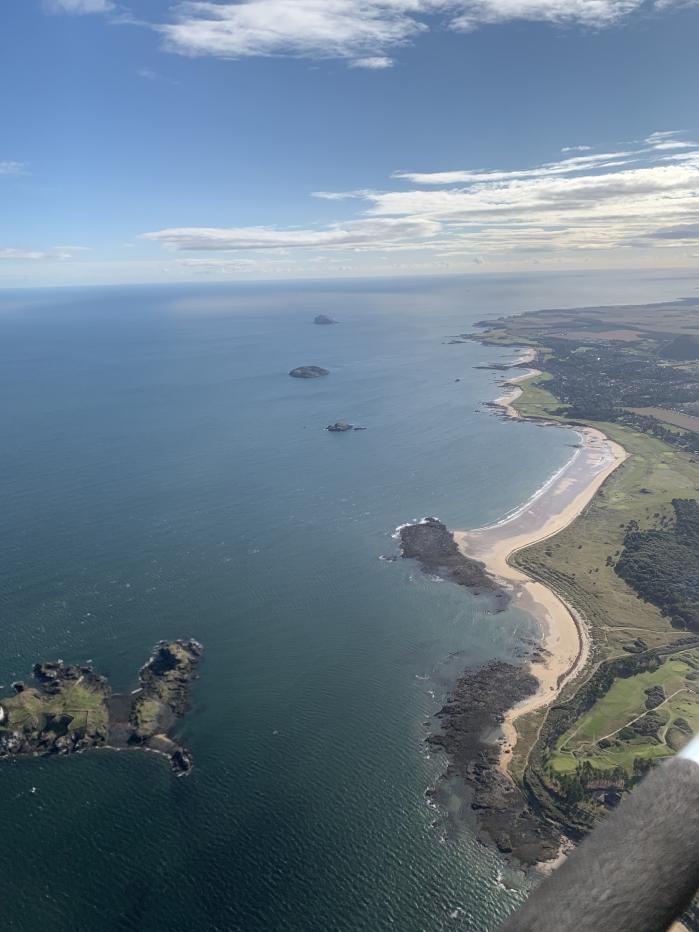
308, 372
73, 709
606, 558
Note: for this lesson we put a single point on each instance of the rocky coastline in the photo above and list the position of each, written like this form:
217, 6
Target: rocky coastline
470, 736
73, 709
432, 544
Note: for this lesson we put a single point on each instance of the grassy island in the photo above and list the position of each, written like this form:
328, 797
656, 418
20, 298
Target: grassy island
71, 708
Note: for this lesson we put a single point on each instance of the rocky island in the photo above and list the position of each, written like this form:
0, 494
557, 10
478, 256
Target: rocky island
342, 427
433, 546
72, 708
323, 320
308, 372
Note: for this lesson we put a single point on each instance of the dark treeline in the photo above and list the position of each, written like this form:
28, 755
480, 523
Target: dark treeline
662, 566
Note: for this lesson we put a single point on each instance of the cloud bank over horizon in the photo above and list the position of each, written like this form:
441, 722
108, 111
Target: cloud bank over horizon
638, 203
644, 197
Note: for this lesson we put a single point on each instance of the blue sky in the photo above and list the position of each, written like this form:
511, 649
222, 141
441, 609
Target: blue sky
156, 141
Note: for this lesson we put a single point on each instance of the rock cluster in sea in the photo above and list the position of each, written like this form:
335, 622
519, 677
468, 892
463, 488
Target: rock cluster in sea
323, 320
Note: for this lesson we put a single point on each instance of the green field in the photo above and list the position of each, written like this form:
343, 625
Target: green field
33, 711
675, 418
620, 707
535, 400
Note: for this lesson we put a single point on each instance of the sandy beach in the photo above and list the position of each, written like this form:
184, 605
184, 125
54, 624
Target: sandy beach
566, 641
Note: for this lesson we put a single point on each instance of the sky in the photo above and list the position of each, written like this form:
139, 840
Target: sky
161, 141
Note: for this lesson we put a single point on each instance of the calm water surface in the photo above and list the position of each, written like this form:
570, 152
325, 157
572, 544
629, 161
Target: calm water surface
162, 476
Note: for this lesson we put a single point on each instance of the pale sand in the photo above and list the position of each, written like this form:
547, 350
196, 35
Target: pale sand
566, 640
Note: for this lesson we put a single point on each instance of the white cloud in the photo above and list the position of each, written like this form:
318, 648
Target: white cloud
217, 266
341, 195
362, 31
358, 30
55, 252
79, 6
660, 136
375, 232
564, 167
673, 145
576, 148
13, 168
377, 63
10, 252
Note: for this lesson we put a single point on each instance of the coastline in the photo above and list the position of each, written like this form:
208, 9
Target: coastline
565, 638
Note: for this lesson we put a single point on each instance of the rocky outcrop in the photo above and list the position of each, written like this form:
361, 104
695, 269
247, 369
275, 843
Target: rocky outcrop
323, 320
342, 427
164, 696
433, 546
470, 736
308, 372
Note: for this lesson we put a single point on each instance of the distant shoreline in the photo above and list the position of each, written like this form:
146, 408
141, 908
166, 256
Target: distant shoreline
566, 640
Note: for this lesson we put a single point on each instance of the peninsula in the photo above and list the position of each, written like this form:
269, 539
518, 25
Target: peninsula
72, 709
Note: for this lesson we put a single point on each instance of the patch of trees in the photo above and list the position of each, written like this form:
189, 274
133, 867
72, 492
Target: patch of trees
663, 566
600, 383
684, 347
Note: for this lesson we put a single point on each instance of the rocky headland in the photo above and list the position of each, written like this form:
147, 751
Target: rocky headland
470, 735
432, 544
71, 708
308, 372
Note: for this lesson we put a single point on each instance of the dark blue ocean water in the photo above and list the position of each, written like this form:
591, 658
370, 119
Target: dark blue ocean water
162, 476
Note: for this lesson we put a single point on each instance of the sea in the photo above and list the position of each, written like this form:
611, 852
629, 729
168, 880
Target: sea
161, 476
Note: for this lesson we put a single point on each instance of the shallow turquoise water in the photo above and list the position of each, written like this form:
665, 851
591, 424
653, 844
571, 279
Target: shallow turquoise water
162, 476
